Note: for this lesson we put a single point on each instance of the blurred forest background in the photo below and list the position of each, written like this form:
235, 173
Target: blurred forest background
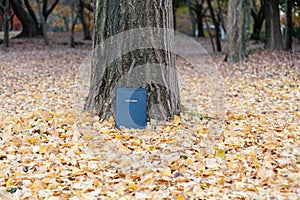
212, 19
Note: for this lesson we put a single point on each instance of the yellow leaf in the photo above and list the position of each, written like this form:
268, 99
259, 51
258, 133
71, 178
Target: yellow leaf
176, 119
9, 183
252, 154
189, 160
43, 149
111, 120
96, 183
131, 185
166, 172
180, 197
75, 170
221, 153
167, 129
17, 128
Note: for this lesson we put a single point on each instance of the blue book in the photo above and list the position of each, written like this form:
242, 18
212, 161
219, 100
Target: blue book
131, 108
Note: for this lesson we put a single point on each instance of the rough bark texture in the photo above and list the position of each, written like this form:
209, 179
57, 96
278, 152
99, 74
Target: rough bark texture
238, 29
130, 69
273, 32
288, 26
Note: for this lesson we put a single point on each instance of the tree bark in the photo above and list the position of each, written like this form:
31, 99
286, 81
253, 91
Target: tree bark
30, 28
73, 23
216, 24
258, 17
246, 27
238, 28
192, 17
5, 18
42, 23
86, 31
138, 67
199, 13
234, 31
273, 32
288, 26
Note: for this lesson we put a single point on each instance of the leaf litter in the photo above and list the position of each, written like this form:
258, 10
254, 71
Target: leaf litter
50, 150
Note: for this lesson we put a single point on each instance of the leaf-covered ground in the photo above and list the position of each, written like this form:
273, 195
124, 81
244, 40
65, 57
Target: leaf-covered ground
50, 150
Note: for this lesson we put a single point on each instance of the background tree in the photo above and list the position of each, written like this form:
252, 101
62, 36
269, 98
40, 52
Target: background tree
26, 14
113, 17
197, 11
288, 25
273, 28
238, 29
216, 21
81, 15
258, 15
42, 23
192, 17
4, 11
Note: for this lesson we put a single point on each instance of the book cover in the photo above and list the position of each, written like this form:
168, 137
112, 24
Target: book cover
131, 108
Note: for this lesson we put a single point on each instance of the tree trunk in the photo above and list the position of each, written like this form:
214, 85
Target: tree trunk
216, 24
199, 14
73, 23
42, 23
273, 32
86, 31
246, 27
238, 28
5, 24
192, 17
29, 26
174, 16
126, 55
234, 31
288, 26
258, 17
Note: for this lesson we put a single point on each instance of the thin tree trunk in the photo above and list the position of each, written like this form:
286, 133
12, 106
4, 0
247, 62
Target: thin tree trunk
73, 22
216, 24
5, 23
192, 17
210, 37
115, 65
273, 32
246, 27
199, 14
86, 31
42, 23
288, 26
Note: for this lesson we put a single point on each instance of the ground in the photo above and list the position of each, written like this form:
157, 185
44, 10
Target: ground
49, 149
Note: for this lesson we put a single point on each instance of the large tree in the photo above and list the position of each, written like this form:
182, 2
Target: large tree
273, 28
128, 53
